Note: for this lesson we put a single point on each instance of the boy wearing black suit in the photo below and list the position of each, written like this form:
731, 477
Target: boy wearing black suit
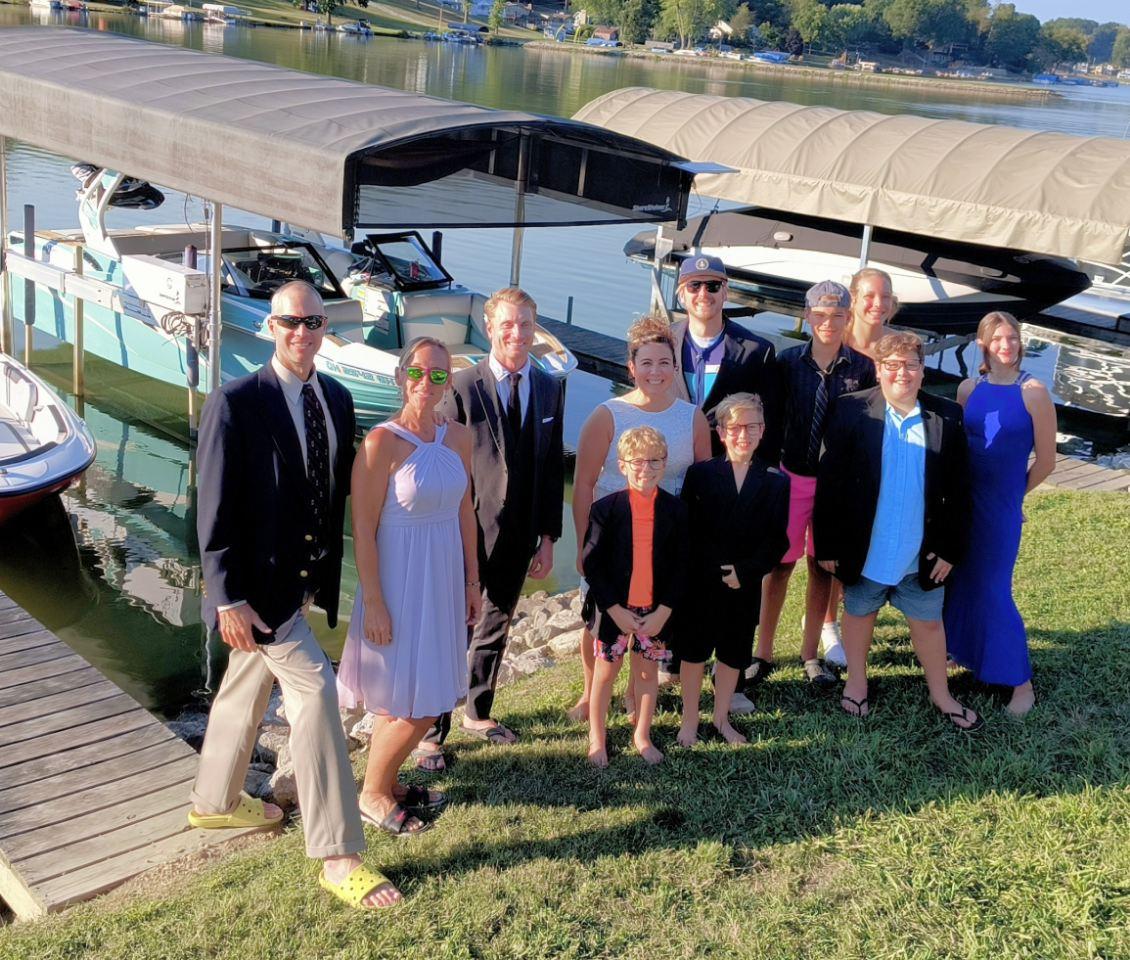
738, 512
634, 561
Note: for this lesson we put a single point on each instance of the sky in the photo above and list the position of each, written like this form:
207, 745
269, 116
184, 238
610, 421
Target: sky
1101, 11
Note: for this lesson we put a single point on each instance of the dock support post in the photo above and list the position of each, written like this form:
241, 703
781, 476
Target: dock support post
437, 246
569, 310
78, 366
6, 345
865, 246
29, 286
192, 353
519, 209
215, 265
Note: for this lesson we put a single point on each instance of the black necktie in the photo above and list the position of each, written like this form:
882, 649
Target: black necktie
317, 463
819, 412
514, 409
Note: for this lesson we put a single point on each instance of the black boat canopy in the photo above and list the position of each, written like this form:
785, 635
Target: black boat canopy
999, 186
316, 151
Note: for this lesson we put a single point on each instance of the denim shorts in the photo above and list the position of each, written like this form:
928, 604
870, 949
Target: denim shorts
867, 597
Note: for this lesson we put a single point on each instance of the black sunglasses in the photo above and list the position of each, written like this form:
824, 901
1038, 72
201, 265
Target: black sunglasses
712, 286
312, 322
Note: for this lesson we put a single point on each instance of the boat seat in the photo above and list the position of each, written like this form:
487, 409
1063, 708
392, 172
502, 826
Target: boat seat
20, 396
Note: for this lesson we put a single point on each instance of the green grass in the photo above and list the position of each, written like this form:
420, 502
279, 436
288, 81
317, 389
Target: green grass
826, 837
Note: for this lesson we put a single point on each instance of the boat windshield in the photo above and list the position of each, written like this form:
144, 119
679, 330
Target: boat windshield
400, 260
257, 272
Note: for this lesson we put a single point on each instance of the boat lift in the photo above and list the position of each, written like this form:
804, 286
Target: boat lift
332, 155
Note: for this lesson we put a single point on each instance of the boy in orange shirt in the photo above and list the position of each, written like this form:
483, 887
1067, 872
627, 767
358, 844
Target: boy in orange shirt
634, 562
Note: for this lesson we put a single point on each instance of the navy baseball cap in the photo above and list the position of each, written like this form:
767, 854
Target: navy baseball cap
827, 293
701, 266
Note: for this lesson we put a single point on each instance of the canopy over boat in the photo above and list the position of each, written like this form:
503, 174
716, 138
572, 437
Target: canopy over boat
979, 183
320, 152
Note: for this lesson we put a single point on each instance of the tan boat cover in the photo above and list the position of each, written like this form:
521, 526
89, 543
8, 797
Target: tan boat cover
297, 146
979, 183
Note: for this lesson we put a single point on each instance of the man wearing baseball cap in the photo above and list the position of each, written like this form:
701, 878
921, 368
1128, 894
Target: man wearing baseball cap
810, 376
715, 357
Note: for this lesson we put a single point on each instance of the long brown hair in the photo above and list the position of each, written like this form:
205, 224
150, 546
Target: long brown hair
864, 274
985, 330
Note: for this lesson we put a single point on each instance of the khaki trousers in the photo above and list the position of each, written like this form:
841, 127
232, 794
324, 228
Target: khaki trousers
327, 792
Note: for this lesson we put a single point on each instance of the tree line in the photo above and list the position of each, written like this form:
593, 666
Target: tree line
973, 30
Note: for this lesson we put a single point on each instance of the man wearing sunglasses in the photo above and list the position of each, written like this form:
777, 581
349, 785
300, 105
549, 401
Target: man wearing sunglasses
516, 415
275, 455
715, 357
892, 515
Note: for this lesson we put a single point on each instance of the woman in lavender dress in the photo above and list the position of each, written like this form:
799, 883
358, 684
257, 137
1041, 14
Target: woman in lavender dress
1008, 414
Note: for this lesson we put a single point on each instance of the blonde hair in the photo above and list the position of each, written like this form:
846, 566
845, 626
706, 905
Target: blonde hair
901, 342
985, 330
641, 441
731, 405
867, 273
649, 328
513, 295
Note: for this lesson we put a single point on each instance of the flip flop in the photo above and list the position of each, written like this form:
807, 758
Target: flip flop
248, 813
860, 706
963, 714
420, 798
429, 761
496, 734
357, 886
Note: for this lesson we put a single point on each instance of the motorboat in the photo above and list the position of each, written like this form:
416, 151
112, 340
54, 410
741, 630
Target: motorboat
44, 444
187, 304
773, 257
358, 28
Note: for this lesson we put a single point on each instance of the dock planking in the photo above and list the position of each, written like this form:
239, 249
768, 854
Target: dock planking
93, 788
1071, 473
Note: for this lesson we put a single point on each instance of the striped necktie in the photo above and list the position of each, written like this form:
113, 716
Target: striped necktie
819, 411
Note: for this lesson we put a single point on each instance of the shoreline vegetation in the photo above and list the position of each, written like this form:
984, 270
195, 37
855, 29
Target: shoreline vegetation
401, 19
824, 837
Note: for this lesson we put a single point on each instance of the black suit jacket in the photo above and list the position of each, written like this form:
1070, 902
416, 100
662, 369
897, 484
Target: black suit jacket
607, 555
847, 486
748, 528
747, 366
474, 401
252, 487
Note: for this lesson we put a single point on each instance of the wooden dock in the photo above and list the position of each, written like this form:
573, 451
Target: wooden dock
1071, 473
93, 788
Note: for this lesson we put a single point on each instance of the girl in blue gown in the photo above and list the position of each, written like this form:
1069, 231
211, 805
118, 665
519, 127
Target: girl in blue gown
1008, 413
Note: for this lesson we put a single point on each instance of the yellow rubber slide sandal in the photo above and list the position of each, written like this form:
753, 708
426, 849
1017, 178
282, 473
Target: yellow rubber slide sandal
249, 812
357, 886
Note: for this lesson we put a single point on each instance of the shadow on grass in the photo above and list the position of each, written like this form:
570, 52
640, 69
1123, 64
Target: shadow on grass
809, 768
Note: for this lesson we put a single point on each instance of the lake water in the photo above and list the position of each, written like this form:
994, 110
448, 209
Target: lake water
113, 568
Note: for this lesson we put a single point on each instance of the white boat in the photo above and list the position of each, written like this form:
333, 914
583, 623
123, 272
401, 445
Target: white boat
44, 445
358, 28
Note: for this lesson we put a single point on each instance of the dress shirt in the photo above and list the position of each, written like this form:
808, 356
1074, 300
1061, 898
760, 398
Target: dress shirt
896, 534
799, 376
502, 384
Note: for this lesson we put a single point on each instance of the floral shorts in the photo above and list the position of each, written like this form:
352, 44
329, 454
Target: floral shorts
651, 648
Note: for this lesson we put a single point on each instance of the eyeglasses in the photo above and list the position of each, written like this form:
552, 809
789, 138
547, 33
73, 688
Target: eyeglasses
712, 286
640, 464
893, 366
436, 375
312, 322
749, 429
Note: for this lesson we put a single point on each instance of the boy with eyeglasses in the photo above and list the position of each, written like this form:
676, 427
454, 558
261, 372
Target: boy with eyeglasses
892, 516
634, 561
811, 377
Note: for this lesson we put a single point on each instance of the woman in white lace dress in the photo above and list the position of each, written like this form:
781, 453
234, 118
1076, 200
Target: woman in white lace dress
652, 403
414, 536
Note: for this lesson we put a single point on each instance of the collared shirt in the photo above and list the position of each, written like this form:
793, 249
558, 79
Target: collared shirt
640, 586
502, 384
799, 377
702, 359
292, 391
896, 535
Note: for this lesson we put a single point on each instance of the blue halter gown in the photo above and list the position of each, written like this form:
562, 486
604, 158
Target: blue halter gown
984, 630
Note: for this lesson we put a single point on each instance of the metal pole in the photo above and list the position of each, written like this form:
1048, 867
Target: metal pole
437, 246
77, 356
29, 286
216, 267
519, 209
865, 246
569, 310
5, 295
192, 353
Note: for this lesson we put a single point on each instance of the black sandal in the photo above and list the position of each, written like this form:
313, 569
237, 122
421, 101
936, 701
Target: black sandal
963, 714
764, 668
429, 761
860, 706
420, 798
398, 822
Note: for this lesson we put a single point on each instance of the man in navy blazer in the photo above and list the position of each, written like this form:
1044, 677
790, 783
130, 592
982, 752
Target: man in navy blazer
275, 456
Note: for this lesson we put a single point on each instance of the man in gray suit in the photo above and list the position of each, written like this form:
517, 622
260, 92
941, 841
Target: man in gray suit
516, 414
